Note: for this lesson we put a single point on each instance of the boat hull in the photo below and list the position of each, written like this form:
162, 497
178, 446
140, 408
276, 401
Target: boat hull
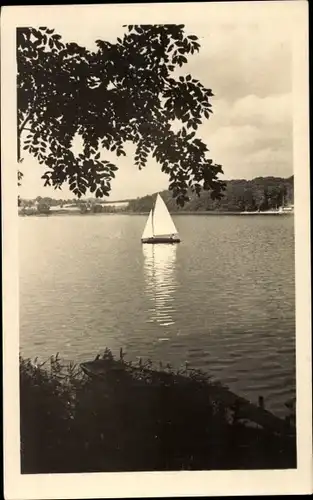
160, 240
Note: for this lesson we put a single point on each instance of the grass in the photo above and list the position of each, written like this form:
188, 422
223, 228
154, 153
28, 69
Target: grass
136, 418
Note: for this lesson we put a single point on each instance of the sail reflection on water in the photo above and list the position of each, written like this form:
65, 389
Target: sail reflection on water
159, 271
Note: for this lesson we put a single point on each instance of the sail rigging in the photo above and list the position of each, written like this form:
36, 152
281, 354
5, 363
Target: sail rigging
160, 225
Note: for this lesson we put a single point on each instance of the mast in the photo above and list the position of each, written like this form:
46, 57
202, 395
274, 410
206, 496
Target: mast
153, 209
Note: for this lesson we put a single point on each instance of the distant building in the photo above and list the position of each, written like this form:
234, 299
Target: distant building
116, 204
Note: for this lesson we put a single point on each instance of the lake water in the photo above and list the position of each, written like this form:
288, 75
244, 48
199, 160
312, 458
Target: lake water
223, 299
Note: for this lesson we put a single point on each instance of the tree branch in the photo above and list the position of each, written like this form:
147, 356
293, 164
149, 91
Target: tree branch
21, 128
19, 132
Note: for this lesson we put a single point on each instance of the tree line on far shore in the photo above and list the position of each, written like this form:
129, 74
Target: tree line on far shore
261, 193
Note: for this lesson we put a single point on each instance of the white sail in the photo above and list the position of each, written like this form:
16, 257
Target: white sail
148, 230
163, 224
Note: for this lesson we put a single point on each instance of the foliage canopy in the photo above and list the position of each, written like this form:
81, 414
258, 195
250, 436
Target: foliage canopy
119, 93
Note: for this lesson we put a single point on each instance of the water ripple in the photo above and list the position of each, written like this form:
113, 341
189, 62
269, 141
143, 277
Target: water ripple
223, 298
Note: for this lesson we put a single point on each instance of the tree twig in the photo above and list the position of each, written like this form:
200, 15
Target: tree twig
21, 128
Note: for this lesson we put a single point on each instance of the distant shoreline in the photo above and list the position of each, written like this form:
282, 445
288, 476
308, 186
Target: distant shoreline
203, 213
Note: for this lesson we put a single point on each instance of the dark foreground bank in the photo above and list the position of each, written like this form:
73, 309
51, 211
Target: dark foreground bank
135, 418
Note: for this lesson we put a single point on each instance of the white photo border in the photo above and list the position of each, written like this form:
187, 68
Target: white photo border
157, 484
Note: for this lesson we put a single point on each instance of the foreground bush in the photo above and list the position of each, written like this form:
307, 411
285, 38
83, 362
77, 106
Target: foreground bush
140, 419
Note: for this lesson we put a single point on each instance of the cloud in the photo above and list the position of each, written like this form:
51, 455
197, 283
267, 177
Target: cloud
251, 136
244, 60
268, 162
248, 67
272, 109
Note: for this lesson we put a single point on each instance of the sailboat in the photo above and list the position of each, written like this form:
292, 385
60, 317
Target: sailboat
160, 227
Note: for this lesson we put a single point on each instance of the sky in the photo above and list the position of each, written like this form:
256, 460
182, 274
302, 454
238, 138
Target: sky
248, 66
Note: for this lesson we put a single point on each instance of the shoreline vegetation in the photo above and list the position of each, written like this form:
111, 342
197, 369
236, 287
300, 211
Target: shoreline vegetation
115, 415
263, 195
